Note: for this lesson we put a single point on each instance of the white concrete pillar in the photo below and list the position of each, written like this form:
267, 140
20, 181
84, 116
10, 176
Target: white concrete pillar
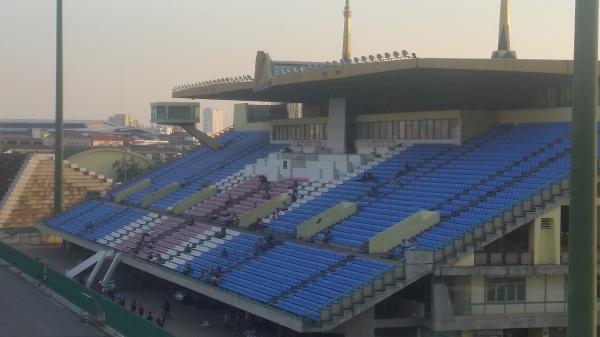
336, 125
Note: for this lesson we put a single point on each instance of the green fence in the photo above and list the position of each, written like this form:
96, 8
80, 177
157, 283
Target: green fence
117, 317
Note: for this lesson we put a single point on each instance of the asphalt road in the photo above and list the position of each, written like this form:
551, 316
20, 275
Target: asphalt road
25, 311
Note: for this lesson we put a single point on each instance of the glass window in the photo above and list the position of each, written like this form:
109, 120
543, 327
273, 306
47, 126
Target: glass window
444, 129
371, 131
409, 130
402, 130
437, 129
395, 133
453, 129
419, 130
505, 290
388, 130
378, 131
430, 129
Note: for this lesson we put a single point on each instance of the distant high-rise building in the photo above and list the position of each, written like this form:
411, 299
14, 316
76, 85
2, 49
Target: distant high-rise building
212, 120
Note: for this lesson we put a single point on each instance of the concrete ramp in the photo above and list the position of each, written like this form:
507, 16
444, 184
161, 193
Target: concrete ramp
403, 230
326, 219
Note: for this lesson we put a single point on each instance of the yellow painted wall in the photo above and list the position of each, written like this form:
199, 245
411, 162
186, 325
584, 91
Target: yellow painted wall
535, 115
474, 123
101, 160
544, 244
477, 289
466, 261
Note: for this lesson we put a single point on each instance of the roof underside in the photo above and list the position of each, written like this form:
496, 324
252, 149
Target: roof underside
461, 80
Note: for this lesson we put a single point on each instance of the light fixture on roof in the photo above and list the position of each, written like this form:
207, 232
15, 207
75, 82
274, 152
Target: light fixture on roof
414, 55
387, 56
404, 53
356, 60
396, 54
379, 57
371, 58
363, 58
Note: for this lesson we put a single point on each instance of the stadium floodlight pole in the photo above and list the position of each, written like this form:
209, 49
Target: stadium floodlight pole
58, 127
582, 215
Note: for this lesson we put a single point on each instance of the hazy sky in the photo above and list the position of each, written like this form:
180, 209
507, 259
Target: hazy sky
120, 55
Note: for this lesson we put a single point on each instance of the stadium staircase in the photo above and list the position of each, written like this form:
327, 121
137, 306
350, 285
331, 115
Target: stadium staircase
11, 165
29, 199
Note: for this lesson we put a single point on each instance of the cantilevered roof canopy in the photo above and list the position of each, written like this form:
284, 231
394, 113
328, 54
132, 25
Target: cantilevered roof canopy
420, 77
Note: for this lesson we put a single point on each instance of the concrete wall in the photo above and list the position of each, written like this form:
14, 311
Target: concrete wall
337, 125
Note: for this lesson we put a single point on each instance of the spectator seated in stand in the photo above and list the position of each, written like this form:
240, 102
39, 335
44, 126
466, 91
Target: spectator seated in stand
258, 224
188, 269
327, 236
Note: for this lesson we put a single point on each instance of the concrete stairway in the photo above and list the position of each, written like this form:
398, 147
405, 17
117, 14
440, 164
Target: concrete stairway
30, 198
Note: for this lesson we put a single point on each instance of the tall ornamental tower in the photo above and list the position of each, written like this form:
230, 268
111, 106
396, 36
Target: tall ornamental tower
504, 51
347, 48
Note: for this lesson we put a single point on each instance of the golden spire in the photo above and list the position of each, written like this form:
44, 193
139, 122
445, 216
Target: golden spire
347, 48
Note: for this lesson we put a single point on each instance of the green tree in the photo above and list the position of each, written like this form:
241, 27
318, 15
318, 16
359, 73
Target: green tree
127, 168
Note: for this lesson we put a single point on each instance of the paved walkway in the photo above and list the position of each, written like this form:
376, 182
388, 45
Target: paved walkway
25, 311
185, 320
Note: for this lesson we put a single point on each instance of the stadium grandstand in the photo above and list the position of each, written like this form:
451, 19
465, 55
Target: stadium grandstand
405, 197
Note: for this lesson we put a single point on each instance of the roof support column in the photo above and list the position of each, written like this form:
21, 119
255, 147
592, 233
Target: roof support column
337, 125
582, 228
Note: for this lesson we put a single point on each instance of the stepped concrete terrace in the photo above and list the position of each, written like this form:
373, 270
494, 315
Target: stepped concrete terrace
29, 199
